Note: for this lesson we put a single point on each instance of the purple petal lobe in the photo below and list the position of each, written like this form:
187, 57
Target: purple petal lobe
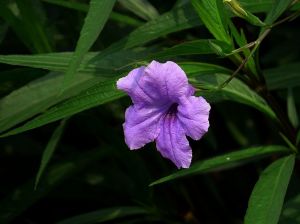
166, 81
193, 114
132, 84
172, 143
141, 125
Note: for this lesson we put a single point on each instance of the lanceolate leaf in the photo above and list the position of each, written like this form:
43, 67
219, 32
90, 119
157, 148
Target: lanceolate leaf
212, 15
267, 197
49, 150
224, 161
94, 22
236, 90
104, 215
278, 7
97, 95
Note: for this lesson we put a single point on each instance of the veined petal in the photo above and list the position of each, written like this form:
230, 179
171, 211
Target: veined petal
132, 85
141, 125
166, 81
172, 142
193, 114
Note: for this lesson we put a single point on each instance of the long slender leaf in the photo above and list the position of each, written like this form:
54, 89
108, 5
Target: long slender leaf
278, 7
96, 95
290, 212
94, 22
236, 90
49, 150
226, 161
212, 15
291, 108
277, 78
141, 8
267, 197
104, 215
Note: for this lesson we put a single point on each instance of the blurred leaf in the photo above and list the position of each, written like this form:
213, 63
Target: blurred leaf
238, 10
266, 200
291, 108
27, 19
282, 77
193, 69
236, 91
278, 7
225, 161
193, 47
212, 15
24, 196
37, 96
290, 212
104, 215
49, 150
141, 8
95, 96
94, 22
82, 7
172, 21
3, 31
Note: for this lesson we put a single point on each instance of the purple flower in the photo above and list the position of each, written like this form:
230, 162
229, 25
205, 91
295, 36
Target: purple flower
164, 110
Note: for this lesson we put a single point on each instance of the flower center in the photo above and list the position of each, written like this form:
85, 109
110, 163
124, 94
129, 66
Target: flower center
173, 109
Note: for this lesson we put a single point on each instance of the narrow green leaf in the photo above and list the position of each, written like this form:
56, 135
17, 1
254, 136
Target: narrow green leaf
94, 22
28, 24
212, 15
37, 96
282, 77
236, 91
49, 150
266, 200
226, 161
291, 109
104, 215
95, 96
193, 47
278, 7
290, 212
82, 7
141, 8
238, 10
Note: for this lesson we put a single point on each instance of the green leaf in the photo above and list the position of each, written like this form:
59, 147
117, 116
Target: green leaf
212, 15
95, 96
175, 20
104, 215
290, 212
282, 77
82, 7
94, 22
238, 10
236, 91
141, 8
291, 108
49, 150
266, 200
225, 161
28, 20
37, 96
193, 47
278, 7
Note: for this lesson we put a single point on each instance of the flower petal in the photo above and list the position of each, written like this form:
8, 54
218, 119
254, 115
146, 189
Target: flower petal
193, 113
141, 125
131, 84
172, 142
166, 81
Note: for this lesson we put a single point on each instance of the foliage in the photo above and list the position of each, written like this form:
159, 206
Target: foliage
63, 157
